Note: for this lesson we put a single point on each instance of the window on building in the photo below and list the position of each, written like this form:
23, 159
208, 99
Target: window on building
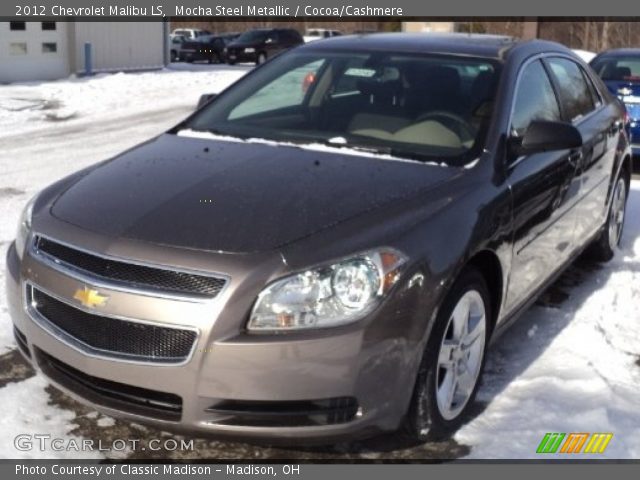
49, 47
48, 25
17, 26
18, 48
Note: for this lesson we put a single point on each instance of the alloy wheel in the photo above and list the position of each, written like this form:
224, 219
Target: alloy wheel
460, 356
616, 215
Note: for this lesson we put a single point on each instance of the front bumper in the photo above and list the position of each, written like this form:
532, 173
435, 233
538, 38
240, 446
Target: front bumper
234, 384
242, 56
194, 56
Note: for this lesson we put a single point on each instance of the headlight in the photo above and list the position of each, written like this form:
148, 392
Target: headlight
328, 296
24, 226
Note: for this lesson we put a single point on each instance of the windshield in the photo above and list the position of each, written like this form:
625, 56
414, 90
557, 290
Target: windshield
253, 36
618, 68
414, 106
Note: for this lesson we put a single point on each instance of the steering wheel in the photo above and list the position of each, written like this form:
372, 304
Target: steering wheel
461, 127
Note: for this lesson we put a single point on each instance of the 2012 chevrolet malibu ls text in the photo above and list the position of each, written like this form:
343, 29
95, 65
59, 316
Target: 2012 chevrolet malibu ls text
325, 249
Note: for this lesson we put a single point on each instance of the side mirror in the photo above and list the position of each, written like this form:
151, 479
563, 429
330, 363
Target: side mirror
545, 136
206, 98
269, 40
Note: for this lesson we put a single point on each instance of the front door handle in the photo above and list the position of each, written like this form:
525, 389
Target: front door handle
575, 157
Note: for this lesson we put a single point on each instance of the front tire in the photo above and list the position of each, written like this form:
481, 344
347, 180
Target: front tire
262, 57
603, 249
453, 360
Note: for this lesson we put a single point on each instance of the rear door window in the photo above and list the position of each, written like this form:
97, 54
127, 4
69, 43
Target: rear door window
575, 95
535, 99
617, 68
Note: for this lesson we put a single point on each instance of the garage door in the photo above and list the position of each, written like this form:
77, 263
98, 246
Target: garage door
33, 51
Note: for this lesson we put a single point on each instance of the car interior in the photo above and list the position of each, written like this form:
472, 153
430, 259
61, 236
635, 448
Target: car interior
421, 105
437, 106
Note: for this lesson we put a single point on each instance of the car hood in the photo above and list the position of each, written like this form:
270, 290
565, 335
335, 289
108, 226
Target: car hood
234, 196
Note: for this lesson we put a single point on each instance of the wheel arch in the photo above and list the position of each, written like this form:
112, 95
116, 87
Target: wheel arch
488, 264
627, 169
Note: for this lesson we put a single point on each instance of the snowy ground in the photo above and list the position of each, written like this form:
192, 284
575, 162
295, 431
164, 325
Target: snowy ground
571, 364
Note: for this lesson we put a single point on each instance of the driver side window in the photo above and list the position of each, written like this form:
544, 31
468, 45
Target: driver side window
535, 99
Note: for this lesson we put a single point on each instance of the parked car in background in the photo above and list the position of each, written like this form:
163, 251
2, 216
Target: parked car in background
190, 33
342, 273
209, 48
620, 71
314, 34
175, 46
258, 45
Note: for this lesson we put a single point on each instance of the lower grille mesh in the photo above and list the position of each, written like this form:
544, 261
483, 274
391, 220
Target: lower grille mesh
330, 411
119, 337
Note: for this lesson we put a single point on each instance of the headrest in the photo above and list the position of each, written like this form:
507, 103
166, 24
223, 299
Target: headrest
385, 85
482, 86
438, 80
621, 73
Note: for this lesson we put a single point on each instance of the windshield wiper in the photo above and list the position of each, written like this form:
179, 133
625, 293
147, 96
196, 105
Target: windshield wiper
341, 142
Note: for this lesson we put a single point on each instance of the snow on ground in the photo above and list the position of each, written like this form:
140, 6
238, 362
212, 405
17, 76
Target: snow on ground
572, 366
27, 107
26, 412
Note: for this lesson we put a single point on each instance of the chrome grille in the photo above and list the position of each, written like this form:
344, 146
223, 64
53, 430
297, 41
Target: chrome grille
130, 274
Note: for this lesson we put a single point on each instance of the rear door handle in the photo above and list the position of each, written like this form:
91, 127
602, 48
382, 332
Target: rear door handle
615, 127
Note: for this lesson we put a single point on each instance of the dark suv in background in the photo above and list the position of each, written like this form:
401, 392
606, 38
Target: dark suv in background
260, 44
208, 48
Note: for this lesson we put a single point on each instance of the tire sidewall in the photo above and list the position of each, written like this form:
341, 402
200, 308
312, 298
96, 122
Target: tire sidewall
601, 249
626, 199
425, 421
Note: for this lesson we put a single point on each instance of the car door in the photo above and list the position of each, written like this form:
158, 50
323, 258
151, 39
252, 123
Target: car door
600, 127
545, 188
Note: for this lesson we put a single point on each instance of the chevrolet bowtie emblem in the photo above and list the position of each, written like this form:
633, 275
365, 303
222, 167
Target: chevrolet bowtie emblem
90, 298
625, 91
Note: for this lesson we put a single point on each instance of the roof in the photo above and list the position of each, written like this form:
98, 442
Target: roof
480, 45
620, 52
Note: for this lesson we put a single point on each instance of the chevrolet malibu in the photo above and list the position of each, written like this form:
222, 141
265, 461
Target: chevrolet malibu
325, 249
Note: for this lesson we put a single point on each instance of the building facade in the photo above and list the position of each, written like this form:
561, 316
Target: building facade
436, 27
32, 51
